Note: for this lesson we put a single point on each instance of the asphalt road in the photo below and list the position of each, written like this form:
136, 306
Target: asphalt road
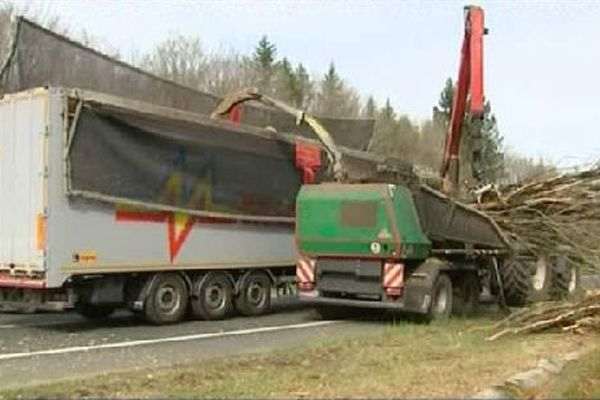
36, 348
39, 348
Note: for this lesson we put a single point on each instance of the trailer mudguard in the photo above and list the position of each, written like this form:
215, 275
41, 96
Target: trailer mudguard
418, 287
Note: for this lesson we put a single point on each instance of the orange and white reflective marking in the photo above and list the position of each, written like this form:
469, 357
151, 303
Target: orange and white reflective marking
305, 270
393, 275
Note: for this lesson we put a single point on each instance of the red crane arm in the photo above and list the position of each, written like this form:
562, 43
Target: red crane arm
468, 86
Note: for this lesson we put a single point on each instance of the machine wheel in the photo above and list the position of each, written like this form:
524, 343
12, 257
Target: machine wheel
466, 291
94, 312
212, 296
167, 300
566, 279
517, 282
254, 297
541, 280
441, 298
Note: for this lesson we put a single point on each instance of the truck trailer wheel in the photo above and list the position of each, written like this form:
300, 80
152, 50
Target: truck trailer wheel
167, 300
466, 291
211, 296
565, 279
517, 282
441, 298
541, 279
254, 297
94, 312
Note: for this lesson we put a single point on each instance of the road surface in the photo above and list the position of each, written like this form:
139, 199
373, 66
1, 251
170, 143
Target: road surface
40, 348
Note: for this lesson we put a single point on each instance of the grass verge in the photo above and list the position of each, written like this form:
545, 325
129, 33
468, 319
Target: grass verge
580, 379
442, 359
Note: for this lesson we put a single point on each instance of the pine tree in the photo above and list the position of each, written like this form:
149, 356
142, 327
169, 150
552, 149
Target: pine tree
384, 137
304, 87
334, 98
264, 59
370, 108
492, 157
285, 85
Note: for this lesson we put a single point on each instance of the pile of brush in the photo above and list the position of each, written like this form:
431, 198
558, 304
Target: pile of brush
561, 212
577, 317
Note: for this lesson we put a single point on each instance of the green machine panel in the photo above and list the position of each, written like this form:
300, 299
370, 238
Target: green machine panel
359, 220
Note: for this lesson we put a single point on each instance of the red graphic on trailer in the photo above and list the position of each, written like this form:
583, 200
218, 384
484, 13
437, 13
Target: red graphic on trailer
174, 191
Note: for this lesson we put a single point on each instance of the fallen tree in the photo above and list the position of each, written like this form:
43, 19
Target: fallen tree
562, 212
579, 316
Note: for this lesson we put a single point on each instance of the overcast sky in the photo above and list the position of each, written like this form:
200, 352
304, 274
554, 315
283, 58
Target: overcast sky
542, 58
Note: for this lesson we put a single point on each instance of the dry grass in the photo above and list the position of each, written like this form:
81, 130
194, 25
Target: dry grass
444, 359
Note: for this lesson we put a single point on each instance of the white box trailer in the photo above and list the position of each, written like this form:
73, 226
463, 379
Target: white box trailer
88, 217
58, 245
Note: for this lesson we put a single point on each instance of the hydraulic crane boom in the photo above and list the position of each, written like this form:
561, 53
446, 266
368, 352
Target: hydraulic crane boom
468, 92
229, 104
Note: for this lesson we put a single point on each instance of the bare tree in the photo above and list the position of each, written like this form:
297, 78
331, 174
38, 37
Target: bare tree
179, 58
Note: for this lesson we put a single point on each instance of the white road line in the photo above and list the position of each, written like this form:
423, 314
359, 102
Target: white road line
9, 326
143, 342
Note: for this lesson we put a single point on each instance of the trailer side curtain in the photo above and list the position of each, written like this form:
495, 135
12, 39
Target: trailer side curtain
162, 163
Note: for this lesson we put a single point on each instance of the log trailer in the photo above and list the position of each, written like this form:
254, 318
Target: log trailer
402, 246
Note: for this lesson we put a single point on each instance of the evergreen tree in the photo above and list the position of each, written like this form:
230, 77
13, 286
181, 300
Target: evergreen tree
285, 86
334, 98
264, 59
370, 108
304, 87
384, 137
492, 157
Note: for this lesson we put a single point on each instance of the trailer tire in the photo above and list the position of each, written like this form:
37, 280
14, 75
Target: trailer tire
542, 269
441, 298
566, 279
254, 296
517, 282
94, 312
466, 291
212, 296
167, 300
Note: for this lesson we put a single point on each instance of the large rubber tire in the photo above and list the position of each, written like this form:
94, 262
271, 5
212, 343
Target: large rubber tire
441, 298
466, 291
517, 283
541, 279
566, 279
167, 300
254, 297
212, 296
94, 312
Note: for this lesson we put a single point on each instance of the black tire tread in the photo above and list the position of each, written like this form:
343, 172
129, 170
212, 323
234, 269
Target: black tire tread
466, 294
198, 309
241, 304
152, 315
516, 280
561, 278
